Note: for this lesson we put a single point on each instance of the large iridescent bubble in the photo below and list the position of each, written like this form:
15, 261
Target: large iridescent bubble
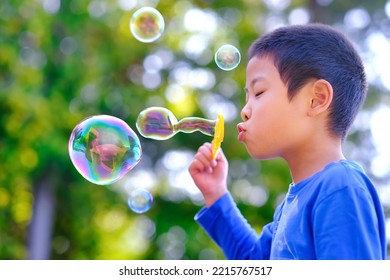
147, 25
103, 149
227, 57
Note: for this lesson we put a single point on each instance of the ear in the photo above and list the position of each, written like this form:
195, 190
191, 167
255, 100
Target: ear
321, 97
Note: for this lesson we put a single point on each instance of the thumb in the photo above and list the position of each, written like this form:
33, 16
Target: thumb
221, 163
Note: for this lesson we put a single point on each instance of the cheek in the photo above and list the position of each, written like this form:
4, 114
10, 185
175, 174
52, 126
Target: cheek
272, 129
267, 117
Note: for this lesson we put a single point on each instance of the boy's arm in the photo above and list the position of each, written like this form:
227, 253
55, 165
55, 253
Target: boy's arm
222, 219
228, 228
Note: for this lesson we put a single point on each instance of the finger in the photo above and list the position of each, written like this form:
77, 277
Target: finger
207, 150
221, 155
204, 155
202, 163
196, 166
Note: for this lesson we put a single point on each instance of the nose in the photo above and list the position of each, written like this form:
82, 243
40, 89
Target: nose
245, 113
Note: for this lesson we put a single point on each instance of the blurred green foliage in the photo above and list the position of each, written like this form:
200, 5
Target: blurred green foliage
62, 61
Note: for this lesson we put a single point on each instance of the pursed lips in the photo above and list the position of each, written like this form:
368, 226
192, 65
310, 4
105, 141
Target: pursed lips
241, 132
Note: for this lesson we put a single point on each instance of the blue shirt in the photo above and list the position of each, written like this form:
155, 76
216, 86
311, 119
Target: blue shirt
334, 214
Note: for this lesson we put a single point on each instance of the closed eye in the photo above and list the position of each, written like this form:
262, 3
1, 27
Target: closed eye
259, 93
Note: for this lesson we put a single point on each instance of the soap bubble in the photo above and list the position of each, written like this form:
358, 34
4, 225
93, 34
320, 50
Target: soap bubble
227, 57
140, 200
160, 124
147, 25
103, 149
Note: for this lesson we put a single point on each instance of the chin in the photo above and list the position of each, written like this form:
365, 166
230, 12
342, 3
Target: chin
260, 155
254, 154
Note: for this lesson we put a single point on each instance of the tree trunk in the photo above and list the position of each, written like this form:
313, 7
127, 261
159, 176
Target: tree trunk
40, 231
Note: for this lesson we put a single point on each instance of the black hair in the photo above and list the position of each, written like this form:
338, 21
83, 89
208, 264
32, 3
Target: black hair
304, 52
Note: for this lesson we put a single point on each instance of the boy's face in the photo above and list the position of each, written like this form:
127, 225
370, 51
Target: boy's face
272, 125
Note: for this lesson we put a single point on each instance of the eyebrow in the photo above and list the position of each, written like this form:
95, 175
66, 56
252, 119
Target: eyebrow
254, 81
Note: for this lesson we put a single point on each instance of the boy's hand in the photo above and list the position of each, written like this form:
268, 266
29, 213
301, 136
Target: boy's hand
209, 174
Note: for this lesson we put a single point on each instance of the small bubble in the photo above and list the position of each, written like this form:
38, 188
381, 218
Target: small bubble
140, 200
147, 25
227, 57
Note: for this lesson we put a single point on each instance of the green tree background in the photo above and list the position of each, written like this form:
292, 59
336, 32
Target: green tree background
63, 61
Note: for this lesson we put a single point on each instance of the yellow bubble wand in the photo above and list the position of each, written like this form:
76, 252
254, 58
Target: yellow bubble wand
218, 136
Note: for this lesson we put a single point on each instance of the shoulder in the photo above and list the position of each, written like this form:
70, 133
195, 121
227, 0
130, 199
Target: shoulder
337, 178
343, 173
344, 179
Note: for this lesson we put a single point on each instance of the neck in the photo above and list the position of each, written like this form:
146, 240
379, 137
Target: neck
312, 158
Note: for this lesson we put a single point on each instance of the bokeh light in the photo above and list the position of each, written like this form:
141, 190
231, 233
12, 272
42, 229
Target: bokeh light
299, 16
387, 9
227, 57
147, 25
103, 149
357, 18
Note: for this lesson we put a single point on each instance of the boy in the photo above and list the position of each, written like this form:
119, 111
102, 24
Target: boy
304, 87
